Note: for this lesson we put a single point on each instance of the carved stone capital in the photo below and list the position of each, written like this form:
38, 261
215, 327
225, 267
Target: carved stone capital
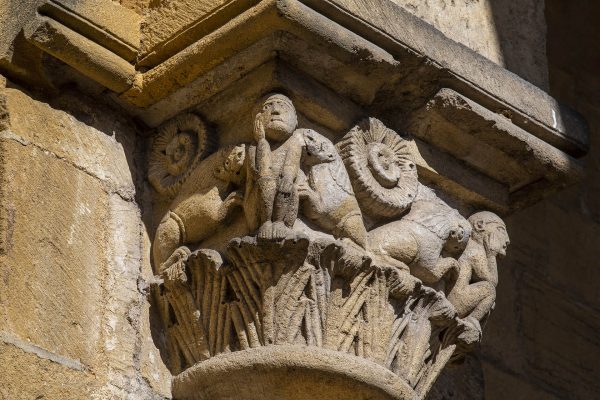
292, 253
325, 183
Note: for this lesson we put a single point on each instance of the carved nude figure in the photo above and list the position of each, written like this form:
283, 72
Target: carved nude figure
474, 292
329, 198
204, 203
275, 162
424, 239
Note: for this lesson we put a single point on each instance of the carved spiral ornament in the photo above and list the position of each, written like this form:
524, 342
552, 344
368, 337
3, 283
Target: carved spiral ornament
179, 145
381, 168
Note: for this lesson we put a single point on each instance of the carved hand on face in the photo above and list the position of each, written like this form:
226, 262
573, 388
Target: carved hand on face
386, 166
278, 117
179, 152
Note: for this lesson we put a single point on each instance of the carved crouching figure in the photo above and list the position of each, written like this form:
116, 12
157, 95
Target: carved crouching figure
204, 203
474, 292
328, 198
423, 238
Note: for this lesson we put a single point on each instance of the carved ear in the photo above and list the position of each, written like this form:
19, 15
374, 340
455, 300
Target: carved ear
218, 172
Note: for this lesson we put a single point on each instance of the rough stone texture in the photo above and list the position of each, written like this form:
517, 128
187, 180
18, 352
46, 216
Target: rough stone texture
510, 33
27, 375
542, 341
169, 25
41, 275
72, 288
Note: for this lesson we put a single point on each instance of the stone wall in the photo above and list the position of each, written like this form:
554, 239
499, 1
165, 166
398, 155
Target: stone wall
74, 322
543, 341
510, 33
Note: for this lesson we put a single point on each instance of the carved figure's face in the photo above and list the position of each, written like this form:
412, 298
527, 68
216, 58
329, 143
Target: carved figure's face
458, 236
180, 153
496, 237
386, 166
318, 149
233, 163
278, 117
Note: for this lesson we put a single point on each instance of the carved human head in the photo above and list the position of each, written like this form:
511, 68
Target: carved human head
278, 116
490, 231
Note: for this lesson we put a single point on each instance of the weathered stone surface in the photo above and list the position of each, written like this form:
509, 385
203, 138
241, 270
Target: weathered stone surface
70, 250
26, 375
512, 34
50, 291
488, 140
81, 133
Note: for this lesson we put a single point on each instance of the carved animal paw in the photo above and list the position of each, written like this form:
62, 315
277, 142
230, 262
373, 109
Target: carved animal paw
173, 270
402, 283
234, 199
442, 311
179, 256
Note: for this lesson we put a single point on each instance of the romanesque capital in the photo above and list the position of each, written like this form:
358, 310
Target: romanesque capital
294, 252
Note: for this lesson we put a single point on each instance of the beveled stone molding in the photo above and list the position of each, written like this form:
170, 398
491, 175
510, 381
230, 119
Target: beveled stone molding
404, 72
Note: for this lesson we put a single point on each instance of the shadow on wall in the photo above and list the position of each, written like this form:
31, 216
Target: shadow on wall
542, 341
521, 29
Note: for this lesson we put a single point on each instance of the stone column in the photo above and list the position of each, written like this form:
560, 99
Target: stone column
325, 183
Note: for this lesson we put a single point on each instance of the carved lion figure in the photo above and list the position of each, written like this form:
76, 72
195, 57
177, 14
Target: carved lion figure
423, 238
474, 292
203, 204
328, 199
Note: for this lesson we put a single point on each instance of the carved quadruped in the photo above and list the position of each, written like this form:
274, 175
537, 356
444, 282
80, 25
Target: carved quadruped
293, 240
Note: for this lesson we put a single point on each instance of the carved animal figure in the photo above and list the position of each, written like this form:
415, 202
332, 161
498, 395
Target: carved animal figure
204, 204
474, 291
328, 198
423, 238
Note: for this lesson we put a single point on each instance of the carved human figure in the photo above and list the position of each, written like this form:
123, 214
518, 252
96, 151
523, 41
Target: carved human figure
327, 196
474, 292
275, 162
202, 205
425, 239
